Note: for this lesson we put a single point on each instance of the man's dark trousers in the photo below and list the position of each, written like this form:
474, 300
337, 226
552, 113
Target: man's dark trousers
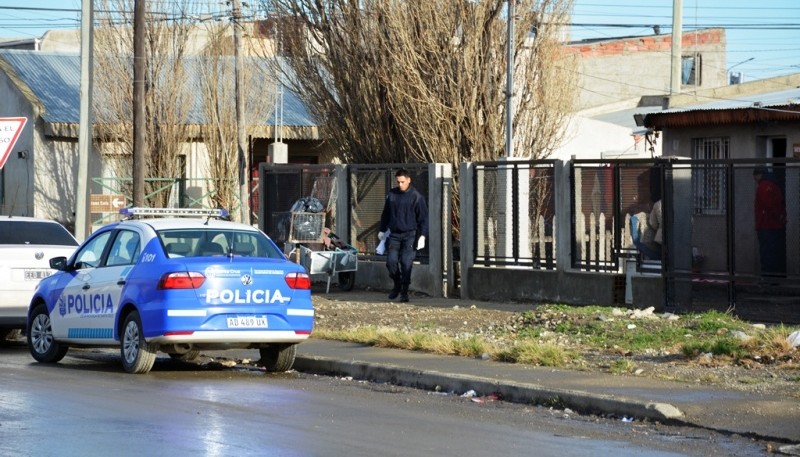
399, 260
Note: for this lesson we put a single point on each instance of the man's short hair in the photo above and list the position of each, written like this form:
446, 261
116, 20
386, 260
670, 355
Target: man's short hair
402, 172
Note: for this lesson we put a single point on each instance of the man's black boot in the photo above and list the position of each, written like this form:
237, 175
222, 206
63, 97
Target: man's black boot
396, 290
404, 294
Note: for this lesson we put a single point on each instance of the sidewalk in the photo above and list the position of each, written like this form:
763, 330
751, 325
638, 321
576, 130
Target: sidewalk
763, 416
728, 411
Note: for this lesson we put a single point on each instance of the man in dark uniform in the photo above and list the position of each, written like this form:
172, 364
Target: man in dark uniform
405, 215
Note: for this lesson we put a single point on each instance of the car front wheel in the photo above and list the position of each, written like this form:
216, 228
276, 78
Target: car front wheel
138, 356
41, 342
278, 357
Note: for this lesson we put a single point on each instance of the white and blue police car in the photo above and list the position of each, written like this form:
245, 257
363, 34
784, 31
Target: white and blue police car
179, 285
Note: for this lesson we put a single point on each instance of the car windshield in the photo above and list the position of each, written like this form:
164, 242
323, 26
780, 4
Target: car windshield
34, 232
201, 242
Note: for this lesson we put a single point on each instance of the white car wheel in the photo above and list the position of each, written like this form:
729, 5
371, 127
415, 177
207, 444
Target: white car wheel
41, 342
278, 357
138, 356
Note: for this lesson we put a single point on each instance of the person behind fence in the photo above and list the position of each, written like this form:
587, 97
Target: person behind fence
405, 215
646, 232
770, 223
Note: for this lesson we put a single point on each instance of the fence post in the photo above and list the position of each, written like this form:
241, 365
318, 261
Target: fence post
563, 216
342, 203
466, 194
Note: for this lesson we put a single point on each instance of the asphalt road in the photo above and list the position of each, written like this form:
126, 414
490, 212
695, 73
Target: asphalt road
86, 405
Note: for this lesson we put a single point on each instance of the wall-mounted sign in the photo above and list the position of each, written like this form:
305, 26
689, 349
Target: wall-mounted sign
104, 203
10, 128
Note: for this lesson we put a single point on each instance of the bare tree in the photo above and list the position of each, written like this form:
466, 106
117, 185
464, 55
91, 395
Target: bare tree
424, 80
215, 72
168, 96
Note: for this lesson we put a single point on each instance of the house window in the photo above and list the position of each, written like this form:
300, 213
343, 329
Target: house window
690, 70
708, 178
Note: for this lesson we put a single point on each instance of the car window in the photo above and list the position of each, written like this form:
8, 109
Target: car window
90, 254
124, 249
213, 242
34, 232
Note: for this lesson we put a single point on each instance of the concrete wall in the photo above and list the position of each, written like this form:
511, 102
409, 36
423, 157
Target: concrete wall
18, 179
631, 67
570, 287
589, 139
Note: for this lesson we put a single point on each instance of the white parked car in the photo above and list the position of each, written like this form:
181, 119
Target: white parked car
26, 246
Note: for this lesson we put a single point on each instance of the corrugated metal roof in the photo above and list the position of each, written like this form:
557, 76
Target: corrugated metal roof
764, 100
54, 79
779, 105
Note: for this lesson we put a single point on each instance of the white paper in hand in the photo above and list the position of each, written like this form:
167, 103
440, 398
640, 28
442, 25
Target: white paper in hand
381, 249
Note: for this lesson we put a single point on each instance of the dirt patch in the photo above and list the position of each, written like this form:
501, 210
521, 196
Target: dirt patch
500, 323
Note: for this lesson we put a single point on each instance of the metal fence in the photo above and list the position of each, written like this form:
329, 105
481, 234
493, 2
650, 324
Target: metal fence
717, 251
711, 255
515, 214
367, 186
606, 197
284, 184
175, 192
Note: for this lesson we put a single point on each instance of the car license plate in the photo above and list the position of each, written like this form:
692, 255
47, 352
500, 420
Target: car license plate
35, 275
247, 322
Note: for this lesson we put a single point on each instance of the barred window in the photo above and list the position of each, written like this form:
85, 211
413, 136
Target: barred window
708, 179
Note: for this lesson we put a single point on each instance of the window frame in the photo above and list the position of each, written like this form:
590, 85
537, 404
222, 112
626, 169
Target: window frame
694, 77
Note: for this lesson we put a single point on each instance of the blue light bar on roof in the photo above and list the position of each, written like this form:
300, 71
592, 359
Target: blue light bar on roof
174, 212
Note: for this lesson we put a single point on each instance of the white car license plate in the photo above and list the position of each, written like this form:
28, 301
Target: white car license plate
35, 275
247, 322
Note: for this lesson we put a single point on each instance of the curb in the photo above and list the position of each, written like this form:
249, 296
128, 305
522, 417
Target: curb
582, 402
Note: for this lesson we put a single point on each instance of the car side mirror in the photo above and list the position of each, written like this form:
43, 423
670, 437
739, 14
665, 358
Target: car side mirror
58, 263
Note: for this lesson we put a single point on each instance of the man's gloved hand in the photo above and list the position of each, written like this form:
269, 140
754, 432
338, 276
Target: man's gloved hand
421, 243
381, 236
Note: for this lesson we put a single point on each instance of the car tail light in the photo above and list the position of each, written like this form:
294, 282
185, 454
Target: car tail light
182, 280
298, 280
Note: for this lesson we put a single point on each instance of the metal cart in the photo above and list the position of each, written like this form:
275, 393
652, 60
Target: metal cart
341, 263
321, 252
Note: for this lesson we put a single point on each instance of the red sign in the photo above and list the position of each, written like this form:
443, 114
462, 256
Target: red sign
10, 128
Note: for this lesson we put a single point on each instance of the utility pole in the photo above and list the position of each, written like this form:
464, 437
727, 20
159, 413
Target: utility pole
85, 127
139, 68
510, 81
241, 137
677, 44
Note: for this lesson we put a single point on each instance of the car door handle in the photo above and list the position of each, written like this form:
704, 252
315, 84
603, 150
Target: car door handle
86, 286
121, 282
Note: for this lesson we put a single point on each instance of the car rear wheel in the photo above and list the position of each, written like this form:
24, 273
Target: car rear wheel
138, 356
41, 342
278, 357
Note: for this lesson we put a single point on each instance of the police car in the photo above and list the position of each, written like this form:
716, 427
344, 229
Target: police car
176, 285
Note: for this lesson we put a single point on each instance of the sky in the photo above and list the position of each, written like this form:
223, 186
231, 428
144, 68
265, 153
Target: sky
763, 36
